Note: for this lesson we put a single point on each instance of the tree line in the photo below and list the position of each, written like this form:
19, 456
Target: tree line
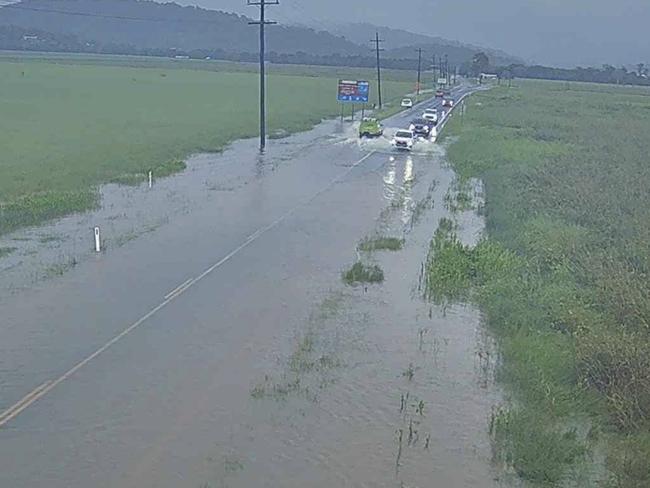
18, 38
607, 73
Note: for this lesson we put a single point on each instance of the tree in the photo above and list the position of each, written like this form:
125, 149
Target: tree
480, 63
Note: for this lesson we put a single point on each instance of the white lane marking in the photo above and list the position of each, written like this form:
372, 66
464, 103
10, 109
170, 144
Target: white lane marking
7, 413
182, 288
36, 394
173, 292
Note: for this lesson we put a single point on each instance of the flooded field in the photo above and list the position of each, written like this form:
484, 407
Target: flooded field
32, 255
128, 212
267, 369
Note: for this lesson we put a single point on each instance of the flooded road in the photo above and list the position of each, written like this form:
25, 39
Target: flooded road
221, 348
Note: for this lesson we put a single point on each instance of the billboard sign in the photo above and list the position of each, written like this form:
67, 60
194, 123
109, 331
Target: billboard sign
353, 91
442, 81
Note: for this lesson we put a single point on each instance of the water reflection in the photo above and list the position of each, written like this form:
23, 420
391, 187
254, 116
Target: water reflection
408, 170
407, 189
259, 164
389, 180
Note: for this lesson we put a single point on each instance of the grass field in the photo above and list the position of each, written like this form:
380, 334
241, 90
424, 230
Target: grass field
563, 275
66, 127
114, 60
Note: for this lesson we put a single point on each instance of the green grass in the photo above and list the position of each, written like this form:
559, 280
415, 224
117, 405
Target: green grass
33, 208
164, 64
363, 273
66, 127
381, 243
564, 274
6, 251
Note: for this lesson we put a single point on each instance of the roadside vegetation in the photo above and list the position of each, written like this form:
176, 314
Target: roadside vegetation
5, 251
563, 275
381, 243
67, 128
363, 273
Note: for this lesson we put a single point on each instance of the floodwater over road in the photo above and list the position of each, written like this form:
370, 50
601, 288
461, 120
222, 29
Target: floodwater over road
221, 347
127, 212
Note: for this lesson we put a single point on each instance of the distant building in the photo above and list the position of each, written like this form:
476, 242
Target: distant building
30, 38
181, 57
488, 76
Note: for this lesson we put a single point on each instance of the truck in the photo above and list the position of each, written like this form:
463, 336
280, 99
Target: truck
370, 127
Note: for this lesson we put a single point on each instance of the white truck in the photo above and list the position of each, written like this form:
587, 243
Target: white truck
403, 139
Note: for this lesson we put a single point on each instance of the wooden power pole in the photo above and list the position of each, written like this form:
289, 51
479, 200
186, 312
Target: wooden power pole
377, 43
262, 22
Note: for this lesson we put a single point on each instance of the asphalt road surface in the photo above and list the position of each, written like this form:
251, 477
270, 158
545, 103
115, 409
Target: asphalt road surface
135, 369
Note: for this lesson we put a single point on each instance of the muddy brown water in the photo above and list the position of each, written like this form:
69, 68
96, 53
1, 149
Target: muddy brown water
269, 371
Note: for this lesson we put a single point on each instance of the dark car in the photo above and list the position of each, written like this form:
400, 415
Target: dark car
440, 93
421, 127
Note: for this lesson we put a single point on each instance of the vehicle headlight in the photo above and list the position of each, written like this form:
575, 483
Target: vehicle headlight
411, 127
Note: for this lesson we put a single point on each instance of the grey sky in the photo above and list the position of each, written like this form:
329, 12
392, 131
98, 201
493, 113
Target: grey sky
557, 32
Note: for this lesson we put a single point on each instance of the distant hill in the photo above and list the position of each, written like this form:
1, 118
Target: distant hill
166, 29
403, 44
145, 25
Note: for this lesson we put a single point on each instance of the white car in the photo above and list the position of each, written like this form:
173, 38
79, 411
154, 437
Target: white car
403, 139
431, 115
407, 103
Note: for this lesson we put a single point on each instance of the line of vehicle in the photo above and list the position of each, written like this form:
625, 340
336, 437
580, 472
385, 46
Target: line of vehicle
39, 392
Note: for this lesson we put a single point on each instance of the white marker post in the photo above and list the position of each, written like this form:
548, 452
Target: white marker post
98, 243
150, 179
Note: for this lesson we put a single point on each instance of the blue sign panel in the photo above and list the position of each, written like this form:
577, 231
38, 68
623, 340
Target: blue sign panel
353, 91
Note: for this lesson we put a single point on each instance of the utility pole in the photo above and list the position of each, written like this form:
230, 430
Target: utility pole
433, 68
377, 43
262, 22
446, 75
419, 70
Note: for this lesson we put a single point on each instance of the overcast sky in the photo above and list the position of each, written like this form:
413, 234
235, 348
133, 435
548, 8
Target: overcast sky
557, 32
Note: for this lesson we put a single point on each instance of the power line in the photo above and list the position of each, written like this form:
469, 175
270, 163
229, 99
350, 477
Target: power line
18, 6
262, 22
377, 43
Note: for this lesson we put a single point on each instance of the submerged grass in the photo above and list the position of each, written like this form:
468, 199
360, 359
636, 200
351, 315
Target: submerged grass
6, 251
564, 275
68, 127
363, 273
381, 243
311, 362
